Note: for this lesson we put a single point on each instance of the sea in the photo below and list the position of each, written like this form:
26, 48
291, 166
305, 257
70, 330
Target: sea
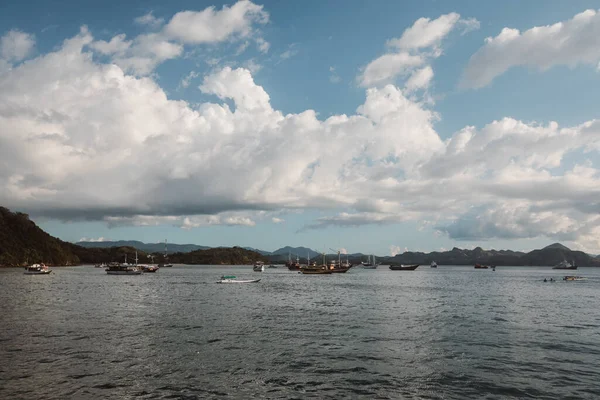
446, 333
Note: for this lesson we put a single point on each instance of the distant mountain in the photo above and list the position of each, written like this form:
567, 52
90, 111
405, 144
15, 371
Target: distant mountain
301, 252
264, 253
548, 256
146, 247
557, 246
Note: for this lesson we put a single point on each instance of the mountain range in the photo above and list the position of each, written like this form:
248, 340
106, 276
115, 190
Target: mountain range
549, 255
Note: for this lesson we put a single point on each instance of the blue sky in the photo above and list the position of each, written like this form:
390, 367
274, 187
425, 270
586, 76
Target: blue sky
191, 123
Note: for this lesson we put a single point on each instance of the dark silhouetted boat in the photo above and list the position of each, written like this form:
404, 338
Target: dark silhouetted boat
403, 267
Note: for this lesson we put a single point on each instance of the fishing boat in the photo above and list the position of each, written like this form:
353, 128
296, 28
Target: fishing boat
403, 267
565, 265
233, 279
37, 269
479, 266
371, 263
259, 266
433, 264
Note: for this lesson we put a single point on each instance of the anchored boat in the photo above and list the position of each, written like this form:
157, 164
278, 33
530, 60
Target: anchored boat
37, 269
233, 279
404, 267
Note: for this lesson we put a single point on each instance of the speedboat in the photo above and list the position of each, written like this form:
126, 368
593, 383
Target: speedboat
433, 264
233, 279
479, 266
37, 269
404, 267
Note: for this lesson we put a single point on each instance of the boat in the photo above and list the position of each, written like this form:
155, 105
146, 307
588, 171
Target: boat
339, 268
433, 264
123, 269
116, 268
403, 267
321, 270
291, 265
479, 266
149, 268
565, 265
37, 269
166, 256
370, 264
574, 278
259, 266
272, 266
233, 279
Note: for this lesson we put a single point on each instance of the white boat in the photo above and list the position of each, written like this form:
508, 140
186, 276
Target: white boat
259, 266
433, 264
370, 264
565, 265
233, 279
37, 269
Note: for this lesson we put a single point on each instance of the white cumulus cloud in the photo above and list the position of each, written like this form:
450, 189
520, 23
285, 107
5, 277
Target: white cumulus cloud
16, 45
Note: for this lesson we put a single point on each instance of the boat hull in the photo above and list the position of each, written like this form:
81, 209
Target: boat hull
37, 272
307, 271
124, 272
258, 268
369, 266
238, 281
575, 267
403, 268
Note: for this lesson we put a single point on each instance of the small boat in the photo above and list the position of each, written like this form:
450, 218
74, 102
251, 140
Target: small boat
233, 279
433, 264
565, 265
574, 278
272, 266
149, 268
479, 266
259, 266
370, 264
403, 267
37, 269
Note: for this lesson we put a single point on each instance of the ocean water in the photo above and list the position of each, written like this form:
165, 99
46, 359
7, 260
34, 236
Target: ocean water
445, 333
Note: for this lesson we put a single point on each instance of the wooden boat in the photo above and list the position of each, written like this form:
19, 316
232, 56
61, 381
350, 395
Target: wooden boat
321, 270
116, 268
166, 257
37, 269
404, 267
233, 279
479, 266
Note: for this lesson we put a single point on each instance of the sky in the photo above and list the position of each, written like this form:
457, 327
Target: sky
374, 127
